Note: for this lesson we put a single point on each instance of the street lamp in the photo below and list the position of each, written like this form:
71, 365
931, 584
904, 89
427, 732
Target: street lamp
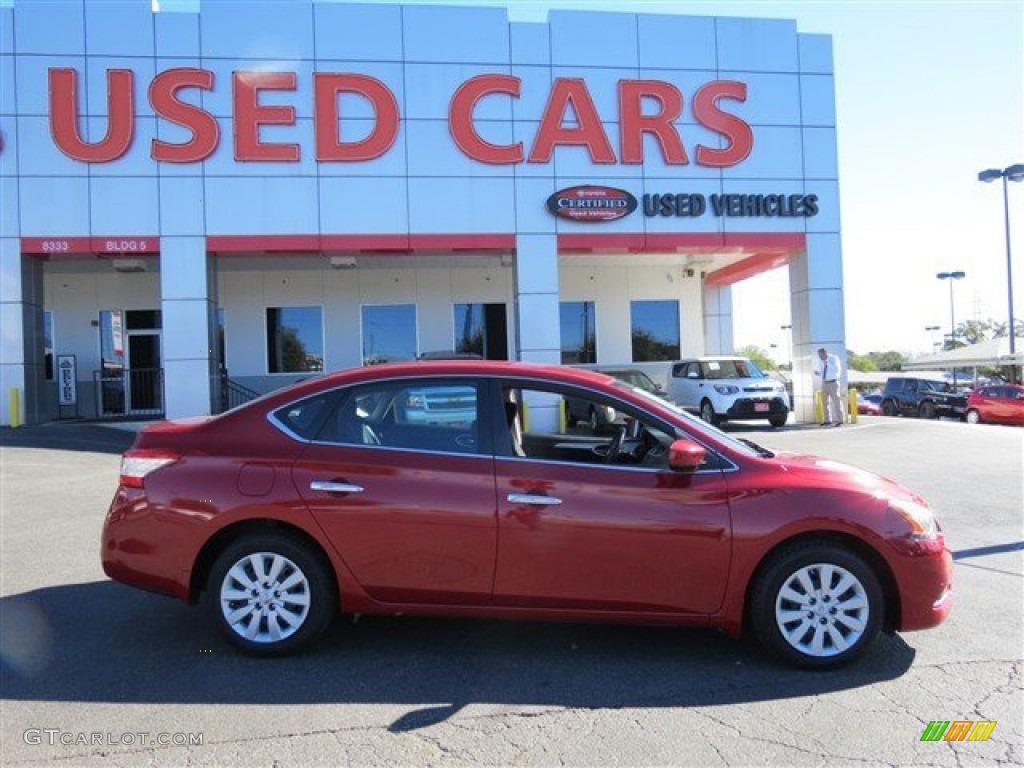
789, 341
951, 276
1012, 173
931, 329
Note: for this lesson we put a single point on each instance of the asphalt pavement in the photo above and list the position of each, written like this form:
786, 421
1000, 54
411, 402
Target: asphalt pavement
108, 669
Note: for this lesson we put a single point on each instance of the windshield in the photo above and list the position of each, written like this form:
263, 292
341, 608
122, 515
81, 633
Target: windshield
692, 422
731, 369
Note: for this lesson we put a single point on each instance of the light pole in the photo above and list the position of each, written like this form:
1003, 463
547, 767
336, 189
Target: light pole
951, 276
1012, 173
789, 342
930, 329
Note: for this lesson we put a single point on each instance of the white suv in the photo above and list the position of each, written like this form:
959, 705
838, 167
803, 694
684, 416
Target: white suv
727, 388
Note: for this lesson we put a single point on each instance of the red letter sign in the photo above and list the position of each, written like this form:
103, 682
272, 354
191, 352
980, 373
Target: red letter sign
120, 120
250, 115
634, 123
164, 99
590, 133
460, 119
329, 147
705, 109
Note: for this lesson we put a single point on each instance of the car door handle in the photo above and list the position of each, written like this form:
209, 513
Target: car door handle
330, 487
529, 498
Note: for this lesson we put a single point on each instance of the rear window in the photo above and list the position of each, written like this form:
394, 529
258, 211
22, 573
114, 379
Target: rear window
303, 418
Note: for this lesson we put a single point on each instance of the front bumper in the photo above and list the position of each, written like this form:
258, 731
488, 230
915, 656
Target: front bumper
756, 408
926, 588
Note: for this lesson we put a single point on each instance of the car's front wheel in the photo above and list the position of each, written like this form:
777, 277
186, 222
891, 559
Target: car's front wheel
889, 408
928, 411
707, 412
817, 604
778, 421
270, 594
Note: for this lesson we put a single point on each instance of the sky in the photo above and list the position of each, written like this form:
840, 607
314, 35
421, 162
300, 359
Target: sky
927, 95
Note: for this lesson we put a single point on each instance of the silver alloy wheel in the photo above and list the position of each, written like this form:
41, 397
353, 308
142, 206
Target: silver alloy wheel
822, 610
707, 412
265, 597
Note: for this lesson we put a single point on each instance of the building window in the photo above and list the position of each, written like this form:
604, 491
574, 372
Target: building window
295, 339
655, 330
221, 353
389, 333
578, 331
481, 329
48, 344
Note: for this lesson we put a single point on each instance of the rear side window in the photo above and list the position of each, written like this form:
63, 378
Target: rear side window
303, 418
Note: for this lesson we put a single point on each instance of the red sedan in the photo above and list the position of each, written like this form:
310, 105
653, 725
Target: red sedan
1001, 404
455, 488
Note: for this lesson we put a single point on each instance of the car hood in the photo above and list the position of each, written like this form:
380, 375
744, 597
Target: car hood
817, 471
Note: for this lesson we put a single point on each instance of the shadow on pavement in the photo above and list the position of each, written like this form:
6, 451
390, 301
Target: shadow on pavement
68, 437
104, 642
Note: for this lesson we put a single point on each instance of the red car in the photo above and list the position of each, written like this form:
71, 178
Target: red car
455, 488
869, 405
1003, 404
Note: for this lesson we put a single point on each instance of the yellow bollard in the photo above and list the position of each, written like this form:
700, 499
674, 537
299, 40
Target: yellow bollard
524, 415
563, 417
14, 406
851, 401
819, 406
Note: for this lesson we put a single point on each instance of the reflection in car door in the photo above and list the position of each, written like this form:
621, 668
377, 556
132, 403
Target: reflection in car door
602, 537
411, 512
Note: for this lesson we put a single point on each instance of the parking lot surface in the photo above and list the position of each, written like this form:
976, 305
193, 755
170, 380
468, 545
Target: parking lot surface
85, 660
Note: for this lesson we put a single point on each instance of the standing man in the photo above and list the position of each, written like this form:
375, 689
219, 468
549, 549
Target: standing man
830, 371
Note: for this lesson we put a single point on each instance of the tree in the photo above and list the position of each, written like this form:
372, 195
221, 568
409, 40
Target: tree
761, 358
862, 363
888, 361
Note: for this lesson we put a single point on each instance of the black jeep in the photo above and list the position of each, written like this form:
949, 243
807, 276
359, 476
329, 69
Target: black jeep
906, 396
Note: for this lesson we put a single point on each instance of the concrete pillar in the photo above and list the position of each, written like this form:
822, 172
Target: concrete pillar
188, 292
538, 336
717, 302
816, 300
22, 362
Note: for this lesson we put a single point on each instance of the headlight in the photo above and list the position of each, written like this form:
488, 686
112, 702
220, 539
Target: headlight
921, 520
726, 389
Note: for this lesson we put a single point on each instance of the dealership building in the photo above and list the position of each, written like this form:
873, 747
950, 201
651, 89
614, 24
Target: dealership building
206, 203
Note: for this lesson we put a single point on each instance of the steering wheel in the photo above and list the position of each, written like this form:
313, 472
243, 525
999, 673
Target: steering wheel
615, 446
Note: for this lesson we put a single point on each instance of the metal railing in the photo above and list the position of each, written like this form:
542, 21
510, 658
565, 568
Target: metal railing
233, 394
129, 392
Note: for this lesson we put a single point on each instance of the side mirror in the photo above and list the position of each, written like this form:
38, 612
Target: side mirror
685, 455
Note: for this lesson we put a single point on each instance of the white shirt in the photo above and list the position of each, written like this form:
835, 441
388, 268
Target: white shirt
831, 368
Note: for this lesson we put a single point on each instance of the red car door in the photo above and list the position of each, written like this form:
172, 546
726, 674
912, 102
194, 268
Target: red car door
576, 533
404, 489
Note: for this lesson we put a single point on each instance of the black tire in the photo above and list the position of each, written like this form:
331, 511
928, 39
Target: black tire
778, 421
888, 408
766, 603
707, 412
316, 586
927, 410
973, 416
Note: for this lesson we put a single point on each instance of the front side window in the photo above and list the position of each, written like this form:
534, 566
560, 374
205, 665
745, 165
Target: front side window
578, 325
655, 330
389, 333
581, 428
431, 415
295, 340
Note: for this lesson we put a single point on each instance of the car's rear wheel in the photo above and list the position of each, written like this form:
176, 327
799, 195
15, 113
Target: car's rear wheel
271, 595
817, 604
707, 412
927, 410
973, 417
889, 408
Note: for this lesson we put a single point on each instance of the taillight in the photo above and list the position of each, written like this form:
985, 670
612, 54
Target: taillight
136, 464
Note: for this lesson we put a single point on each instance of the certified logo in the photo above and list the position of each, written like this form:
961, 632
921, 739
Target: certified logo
591, 204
